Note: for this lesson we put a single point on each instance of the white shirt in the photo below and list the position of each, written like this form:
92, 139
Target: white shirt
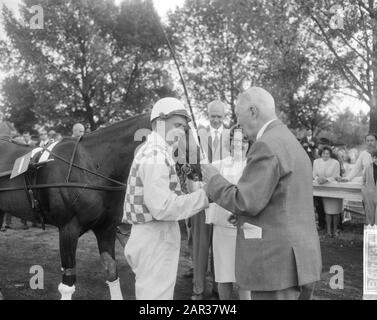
329, 169
364, 160
263, 129
162, 203
219, 132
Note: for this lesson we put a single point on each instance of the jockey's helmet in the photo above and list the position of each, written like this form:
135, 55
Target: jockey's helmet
168, 107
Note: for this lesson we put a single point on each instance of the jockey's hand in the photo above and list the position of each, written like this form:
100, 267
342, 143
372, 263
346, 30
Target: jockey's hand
208, 172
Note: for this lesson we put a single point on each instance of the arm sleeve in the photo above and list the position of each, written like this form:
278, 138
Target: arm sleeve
164, 204
365, 177
315, 169
255, 188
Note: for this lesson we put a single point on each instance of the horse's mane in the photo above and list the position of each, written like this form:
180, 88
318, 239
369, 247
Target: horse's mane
117, 124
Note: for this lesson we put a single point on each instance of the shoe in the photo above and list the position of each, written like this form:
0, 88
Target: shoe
215, 296
25, 227
8, 227
2, 229
197, 297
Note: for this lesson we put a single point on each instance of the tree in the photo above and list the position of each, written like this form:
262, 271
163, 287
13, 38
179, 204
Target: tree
226, 46
349, 30
90, 63
294, 71
19, 104
214, 48
348, 128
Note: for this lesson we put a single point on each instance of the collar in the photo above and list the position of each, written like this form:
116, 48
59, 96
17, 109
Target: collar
219, 130
263, 129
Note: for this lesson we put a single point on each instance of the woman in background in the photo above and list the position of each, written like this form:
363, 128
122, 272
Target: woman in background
224, 233
325, 170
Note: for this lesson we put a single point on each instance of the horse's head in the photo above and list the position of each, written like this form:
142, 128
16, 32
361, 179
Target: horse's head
188, 156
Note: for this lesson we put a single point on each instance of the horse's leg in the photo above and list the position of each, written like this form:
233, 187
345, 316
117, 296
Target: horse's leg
1, 226
1, 220
68, 238
106, 236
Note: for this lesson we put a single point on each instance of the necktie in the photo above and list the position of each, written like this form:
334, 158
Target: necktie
216, 141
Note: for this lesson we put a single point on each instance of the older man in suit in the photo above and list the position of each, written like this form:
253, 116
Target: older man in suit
278, 252
212, 140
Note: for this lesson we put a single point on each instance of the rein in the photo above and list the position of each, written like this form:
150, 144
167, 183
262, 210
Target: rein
122, 186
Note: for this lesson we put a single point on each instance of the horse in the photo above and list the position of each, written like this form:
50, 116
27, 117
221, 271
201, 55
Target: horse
106, 155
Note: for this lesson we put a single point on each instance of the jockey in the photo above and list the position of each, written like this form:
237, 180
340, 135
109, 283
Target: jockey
155, 203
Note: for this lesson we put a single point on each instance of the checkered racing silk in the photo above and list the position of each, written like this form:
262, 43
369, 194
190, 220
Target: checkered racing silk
135, 210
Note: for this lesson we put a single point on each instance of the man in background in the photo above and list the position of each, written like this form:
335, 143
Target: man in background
78, 130
26, 139
211, 139
43, 138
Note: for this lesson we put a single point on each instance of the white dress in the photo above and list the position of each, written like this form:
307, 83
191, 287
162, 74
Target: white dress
224, 233
329, 169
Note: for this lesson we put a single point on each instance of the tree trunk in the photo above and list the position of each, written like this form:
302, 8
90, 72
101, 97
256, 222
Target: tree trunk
89, 112
373, 116
373, 103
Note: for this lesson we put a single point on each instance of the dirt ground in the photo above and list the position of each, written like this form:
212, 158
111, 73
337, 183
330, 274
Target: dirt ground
22, 249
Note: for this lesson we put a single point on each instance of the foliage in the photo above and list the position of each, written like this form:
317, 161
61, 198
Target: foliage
93, 62
348, 29
227, 46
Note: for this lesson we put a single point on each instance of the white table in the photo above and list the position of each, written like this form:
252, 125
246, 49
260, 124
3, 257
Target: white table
347, 191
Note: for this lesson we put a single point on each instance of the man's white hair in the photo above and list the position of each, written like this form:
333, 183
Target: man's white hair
78, 126
262, 100
216, 104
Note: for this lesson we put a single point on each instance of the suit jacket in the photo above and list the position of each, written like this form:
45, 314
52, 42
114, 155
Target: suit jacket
274, 193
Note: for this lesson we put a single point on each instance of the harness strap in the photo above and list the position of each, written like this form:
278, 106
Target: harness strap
32, 198
75, 165
29, 193
70, 185
73, 159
